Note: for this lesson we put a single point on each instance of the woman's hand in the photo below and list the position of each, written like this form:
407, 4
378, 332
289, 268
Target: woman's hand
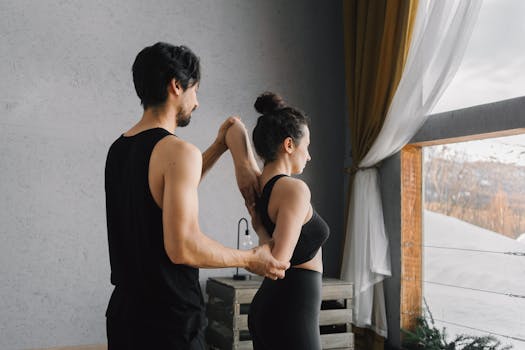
256, 220
258, 227
248, 182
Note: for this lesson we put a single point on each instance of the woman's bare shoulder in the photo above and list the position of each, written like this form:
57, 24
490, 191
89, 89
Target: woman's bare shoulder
288, 188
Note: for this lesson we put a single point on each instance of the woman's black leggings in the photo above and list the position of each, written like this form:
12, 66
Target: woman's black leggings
284, 314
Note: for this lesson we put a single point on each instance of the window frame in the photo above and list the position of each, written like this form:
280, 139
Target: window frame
498, 119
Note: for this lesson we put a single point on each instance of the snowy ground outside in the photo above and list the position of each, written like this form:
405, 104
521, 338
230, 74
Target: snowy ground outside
500, 273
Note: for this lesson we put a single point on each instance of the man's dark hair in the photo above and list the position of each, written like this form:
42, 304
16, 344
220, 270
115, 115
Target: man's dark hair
156, 65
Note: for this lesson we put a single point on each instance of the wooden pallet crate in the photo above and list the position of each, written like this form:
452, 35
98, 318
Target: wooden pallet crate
229, 301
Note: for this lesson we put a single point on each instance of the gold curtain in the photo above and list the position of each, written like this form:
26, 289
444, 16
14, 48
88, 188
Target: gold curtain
376, 40
377, 37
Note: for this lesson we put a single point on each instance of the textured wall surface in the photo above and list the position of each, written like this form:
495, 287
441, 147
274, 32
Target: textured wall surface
67, 93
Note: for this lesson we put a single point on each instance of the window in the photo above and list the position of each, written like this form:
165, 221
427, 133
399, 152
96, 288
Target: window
504, 118
473, 227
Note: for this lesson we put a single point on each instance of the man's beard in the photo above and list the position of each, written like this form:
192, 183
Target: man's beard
183, 119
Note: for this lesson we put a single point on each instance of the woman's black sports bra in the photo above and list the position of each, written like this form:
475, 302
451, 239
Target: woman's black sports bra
313, 233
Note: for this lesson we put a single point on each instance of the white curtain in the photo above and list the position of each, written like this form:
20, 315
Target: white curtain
441, 32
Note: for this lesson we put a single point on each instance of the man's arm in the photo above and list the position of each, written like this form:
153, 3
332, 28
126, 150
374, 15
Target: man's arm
183, 240
218, 147
211, 155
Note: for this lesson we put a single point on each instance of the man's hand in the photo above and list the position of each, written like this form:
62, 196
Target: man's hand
263, 263
221, 135
219, 146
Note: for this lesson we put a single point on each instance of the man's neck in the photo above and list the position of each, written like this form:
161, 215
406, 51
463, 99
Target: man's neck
159, 117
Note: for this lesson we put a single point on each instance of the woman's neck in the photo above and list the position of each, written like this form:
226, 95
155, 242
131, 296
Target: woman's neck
276, 167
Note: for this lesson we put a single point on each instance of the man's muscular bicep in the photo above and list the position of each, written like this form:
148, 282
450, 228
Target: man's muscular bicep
180, 203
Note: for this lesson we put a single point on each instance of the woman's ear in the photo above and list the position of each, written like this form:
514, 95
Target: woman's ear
288, 145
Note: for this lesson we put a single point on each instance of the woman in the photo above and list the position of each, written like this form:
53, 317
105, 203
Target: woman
285, 314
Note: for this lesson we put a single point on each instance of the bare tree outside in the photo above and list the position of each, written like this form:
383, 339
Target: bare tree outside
485, 192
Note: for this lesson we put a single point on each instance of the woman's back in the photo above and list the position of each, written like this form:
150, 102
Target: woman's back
314, 231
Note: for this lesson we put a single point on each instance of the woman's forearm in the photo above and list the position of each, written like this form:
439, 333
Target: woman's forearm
239, 145
246, 169
263, 236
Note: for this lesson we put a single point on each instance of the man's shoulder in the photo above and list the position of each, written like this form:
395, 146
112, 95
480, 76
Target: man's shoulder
173, 146
114, 150
174, 151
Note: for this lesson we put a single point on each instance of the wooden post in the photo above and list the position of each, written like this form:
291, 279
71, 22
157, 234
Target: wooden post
411, 235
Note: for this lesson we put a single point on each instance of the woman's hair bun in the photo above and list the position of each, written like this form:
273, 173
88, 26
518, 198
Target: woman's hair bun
268, 102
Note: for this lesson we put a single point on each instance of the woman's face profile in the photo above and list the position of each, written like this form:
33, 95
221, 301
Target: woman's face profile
301, 155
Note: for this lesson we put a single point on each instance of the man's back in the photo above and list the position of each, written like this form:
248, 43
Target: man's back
148, 285
154, 253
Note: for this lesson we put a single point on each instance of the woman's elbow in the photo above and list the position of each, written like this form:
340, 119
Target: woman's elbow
282, 255
235, 132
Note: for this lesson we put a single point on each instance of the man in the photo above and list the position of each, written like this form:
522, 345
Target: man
155, 242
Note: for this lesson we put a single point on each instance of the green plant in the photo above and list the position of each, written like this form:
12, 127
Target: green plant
427, 336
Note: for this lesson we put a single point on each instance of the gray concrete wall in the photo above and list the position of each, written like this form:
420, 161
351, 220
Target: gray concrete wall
67, 93
483, 119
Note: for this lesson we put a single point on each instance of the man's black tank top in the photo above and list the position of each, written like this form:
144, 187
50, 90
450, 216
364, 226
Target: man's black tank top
148, 286
313, 233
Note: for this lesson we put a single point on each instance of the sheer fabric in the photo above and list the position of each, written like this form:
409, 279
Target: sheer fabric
439, 40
